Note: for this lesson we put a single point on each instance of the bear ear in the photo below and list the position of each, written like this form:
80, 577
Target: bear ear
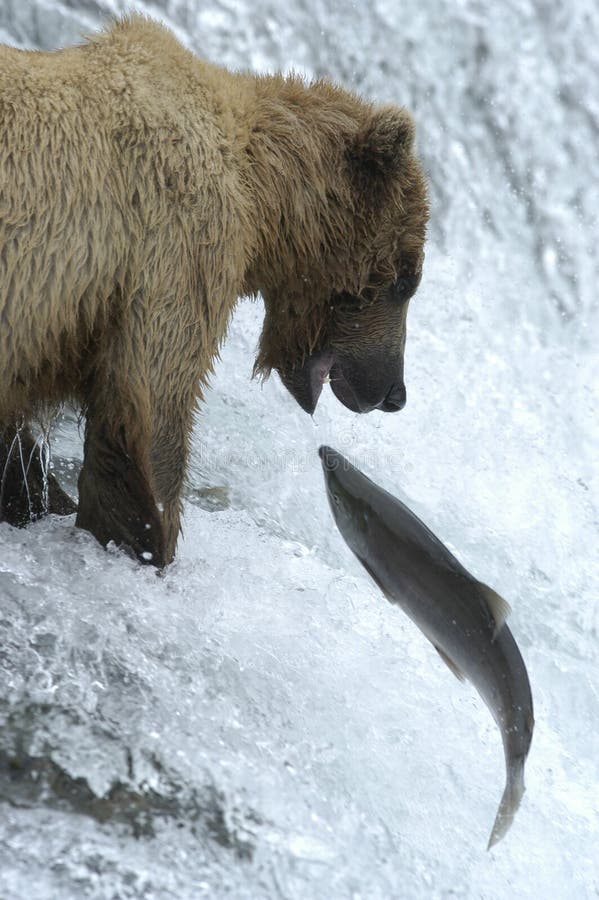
380, 146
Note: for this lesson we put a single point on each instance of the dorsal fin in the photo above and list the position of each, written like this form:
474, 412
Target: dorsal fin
450, 664
498, 607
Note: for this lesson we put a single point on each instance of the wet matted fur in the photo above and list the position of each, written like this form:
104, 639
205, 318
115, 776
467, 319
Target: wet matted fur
142, 191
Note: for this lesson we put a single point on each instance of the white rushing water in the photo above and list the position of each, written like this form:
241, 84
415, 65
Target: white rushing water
259, 722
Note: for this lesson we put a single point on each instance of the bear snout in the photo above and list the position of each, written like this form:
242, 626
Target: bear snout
395, 399
369, 383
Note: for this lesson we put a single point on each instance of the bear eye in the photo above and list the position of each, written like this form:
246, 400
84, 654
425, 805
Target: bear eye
343, 298
405, 287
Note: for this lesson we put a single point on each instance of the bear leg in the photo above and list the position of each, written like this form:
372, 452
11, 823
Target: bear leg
139, 401
28, 490
173, 423
116, 500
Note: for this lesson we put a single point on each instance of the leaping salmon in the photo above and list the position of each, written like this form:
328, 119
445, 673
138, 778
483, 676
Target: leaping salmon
463, 618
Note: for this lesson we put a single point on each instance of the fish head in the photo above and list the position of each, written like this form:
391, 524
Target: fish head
346, 491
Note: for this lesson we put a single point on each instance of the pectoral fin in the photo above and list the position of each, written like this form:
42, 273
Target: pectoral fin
450, 664
498, 607
375, 578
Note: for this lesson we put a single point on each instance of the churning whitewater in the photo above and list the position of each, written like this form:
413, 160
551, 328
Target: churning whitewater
256, 723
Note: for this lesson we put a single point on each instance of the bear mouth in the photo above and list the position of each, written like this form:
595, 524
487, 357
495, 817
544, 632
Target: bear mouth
345, 393
360, 385
306, 381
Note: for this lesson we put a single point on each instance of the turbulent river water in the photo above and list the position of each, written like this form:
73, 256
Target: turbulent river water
259, 722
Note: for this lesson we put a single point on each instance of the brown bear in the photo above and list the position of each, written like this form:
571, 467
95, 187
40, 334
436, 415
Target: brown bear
142, 191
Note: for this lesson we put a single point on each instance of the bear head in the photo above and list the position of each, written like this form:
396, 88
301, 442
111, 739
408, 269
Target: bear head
348, 254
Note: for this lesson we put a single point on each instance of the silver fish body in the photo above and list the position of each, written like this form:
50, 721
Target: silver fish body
463, 618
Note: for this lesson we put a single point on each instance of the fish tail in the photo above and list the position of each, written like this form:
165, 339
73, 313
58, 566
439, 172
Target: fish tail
512, 795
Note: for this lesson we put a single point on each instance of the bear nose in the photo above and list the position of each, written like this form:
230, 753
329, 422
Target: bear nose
395, 399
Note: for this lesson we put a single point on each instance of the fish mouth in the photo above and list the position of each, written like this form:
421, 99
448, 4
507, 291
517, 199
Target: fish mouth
331, 460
